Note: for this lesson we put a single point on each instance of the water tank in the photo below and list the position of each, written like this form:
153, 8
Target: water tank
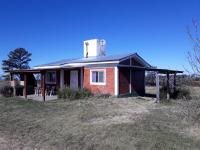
94, 48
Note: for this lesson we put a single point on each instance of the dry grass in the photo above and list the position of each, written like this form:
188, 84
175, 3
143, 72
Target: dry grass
150, 89
123, 123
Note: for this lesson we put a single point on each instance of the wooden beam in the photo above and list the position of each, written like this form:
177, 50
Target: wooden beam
43, 85
25, 85
157, 87
174, 82
130, 74
130, 82
168, 96
62, 79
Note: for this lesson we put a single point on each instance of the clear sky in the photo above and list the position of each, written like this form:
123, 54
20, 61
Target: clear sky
55, 29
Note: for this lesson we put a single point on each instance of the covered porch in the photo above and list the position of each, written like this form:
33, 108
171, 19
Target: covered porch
44, 84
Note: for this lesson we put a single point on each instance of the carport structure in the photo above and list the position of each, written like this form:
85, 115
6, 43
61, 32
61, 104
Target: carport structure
167, 73
158, 72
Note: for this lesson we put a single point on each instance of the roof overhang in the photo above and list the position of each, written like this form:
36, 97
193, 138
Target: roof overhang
72, 65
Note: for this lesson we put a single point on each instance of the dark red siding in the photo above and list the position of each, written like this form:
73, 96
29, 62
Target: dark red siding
124, 78
138, 79
125, 62
135, 62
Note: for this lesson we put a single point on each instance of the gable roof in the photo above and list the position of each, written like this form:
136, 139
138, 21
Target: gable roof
93, 60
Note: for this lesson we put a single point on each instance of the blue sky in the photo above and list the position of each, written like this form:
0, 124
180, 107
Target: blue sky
55, 29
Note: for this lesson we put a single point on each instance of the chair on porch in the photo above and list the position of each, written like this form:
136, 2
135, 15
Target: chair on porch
38, 91
52, 90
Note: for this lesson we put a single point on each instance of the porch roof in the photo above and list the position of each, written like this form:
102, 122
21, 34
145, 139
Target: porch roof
161, 71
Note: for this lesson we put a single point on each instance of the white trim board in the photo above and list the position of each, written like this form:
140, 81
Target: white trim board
76, 65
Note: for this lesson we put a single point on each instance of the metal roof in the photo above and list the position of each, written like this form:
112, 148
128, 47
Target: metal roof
88, 60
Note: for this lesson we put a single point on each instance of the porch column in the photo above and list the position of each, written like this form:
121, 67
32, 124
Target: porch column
130, 82
61, 78
25, 85
157, 88
43, 85
116, 75
174, 82
168, 86
81, 74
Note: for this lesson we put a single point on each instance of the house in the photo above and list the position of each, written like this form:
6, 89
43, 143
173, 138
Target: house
96, 71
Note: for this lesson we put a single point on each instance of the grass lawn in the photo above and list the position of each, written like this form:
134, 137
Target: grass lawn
101, 124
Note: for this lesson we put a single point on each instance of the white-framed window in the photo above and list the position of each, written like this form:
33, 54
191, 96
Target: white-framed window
98, 76
51, 77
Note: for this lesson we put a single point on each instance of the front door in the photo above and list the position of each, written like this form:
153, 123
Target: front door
74, 79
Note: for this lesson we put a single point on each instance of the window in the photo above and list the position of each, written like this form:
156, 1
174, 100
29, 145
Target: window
97, 77
51, 77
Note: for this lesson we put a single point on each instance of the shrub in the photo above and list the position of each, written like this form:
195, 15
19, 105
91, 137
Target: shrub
19, 90
68, 93
6, 91
181, 92
100, 95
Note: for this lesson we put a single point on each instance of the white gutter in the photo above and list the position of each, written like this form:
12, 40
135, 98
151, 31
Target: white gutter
75, 65
47, 67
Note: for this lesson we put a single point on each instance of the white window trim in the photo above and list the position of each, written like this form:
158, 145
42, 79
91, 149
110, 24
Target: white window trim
47, 82
98, 83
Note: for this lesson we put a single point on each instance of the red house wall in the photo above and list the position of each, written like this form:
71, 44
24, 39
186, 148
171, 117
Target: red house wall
110, 82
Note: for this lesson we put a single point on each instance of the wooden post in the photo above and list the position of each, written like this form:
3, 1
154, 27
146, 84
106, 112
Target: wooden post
157, 88
130, 74
25, 85
43, 85
174, 82
168, 96
62, 79
130, 82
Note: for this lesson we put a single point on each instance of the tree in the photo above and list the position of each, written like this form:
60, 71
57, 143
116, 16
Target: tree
193, 56
17, 59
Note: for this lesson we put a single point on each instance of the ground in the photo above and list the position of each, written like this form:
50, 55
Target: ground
99, 124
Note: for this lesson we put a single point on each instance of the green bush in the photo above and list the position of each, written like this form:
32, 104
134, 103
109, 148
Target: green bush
71, 94
6, 91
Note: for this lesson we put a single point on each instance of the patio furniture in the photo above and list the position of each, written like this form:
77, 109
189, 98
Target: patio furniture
52, 90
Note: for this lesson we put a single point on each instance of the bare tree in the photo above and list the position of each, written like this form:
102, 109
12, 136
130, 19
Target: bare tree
193, 56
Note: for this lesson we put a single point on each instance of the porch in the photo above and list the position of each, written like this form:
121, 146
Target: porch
43, 84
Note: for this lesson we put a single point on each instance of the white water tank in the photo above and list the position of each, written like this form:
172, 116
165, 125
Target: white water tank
94, 47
